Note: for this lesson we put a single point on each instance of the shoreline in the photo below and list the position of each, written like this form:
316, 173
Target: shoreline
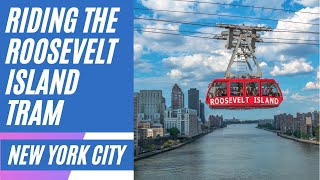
292, 138
299, 140
156, 152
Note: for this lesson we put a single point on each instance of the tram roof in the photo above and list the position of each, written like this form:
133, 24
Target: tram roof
259, 79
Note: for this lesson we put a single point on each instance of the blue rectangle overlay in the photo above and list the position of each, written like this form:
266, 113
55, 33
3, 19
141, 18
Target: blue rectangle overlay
67, 155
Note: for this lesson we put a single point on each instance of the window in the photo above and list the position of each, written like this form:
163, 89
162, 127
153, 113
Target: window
236, 89
252, 89
270, 89
219, 89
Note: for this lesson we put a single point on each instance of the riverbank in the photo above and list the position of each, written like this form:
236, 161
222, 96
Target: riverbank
291, 137
298, 139
153, 153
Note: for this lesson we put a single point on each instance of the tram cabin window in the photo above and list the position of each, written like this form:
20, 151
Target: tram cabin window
219, 89
252, 89
236, 88
270, 89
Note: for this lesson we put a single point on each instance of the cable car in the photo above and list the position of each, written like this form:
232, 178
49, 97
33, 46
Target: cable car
243, 93
245, 88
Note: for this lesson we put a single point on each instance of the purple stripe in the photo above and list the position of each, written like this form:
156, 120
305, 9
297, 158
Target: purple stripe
41, 136
37, 175
34, 175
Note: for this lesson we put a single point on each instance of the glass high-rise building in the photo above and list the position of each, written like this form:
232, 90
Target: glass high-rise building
177, 97
193, 100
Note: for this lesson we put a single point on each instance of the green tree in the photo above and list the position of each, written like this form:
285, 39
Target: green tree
305, 136
289, 133
269, 126
173, 132
316, 132
297, 134
150, 147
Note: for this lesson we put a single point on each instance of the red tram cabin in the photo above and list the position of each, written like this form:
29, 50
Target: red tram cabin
243, 94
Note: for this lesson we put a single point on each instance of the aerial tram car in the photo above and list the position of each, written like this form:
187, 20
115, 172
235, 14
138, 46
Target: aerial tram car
245, 89
243, 93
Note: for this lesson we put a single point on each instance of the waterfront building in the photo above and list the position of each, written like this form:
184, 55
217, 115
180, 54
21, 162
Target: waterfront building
315, 118
185, 120
145, 133
170, 118
157, 130
290, 123
193, 100
215, 121
202, 112
151, 106
150, 133
149, 130
144, 124
283, 120
177, 97
303, 122
296, 124
276, 122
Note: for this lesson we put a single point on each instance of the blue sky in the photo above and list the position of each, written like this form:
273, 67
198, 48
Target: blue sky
162, 60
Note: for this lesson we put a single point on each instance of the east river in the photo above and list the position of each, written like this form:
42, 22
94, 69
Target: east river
234, 152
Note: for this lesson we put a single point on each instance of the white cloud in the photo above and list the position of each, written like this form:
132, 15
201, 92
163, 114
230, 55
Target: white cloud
309, 3
266, 68
168, 4
197, 67
173, 44
285, 92
297, 96
158, 27
139, 64
177, 47
310, 98
182, 6
138, 49
175, 73
263, 64
142, 66
314, 85
296, 66
284, 52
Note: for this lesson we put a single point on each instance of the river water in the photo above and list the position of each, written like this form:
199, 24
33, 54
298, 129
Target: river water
234, 152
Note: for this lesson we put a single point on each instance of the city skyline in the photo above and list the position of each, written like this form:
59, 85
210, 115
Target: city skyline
162, 60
